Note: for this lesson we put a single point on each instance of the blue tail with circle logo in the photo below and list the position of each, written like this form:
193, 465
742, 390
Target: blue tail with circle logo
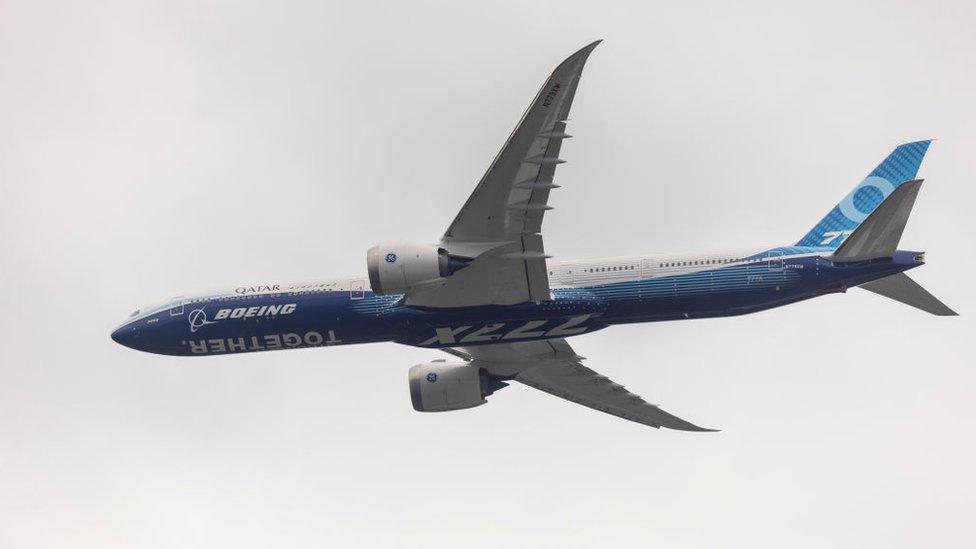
900, 166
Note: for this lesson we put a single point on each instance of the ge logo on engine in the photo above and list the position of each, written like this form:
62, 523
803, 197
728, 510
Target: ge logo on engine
432, 377
391, 258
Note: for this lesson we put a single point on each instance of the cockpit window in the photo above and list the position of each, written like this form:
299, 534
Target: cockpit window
158, 307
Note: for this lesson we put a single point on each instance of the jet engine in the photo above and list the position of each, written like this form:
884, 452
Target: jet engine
396, 268
444, 386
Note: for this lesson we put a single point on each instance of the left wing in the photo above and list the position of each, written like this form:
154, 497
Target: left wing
552, 366
500, 225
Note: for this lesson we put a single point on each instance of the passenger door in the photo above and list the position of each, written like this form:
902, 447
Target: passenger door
177, 309
357, 289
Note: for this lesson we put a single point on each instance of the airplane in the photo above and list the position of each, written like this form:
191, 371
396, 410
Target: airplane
489, 295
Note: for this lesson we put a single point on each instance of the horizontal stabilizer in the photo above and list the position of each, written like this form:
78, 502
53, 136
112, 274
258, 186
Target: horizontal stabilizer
879, 234
902, 288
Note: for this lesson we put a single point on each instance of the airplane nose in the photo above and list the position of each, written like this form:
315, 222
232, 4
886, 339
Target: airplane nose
126, 335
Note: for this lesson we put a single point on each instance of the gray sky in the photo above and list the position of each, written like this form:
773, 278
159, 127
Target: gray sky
149, 149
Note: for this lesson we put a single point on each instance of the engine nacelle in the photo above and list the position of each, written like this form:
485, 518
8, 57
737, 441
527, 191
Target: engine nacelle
396, 268
445, 386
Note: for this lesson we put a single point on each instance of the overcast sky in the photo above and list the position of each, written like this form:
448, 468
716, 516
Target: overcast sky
149, 149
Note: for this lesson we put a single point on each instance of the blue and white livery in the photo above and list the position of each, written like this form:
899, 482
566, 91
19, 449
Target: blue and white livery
488, 294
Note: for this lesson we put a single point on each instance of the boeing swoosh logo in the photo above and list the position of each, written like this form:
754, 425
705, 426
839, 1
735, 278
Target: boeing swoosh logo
198, 319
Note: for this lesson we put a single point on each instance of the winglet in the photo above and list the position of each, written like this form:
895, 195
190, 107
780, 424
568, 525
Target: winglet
583, 52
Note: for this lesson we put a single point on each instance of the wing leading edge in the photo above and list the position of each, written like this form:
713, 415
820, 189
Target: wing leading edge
553, 367
500, 224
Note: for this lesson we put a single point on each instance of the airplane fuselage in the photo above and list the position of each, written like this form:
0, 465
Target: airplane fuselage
487, 293
587, 296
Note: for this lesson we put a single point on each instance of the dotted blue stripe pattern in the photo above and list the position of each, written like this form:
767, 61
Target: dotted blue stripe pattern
900, 166
735, 278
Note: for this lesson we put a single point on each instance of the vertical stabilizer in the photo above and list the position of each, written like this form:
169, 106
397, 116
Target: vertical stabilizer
898, 168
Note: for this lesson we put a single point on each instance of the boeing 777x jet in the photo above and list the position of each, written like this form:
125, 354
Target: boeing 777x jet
488, 294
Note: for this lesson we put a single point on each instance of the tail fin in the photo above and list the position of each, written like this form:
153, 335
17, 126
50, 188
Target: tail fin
902, 288
901, 166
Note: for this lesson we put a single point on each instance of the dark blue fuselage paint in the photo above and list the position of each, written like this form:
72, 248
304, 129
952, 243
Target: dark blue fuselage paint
273, 320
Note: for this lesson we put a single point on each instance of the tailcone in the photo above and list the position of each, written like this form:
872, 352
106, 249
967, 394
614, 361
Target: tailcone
908, 259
